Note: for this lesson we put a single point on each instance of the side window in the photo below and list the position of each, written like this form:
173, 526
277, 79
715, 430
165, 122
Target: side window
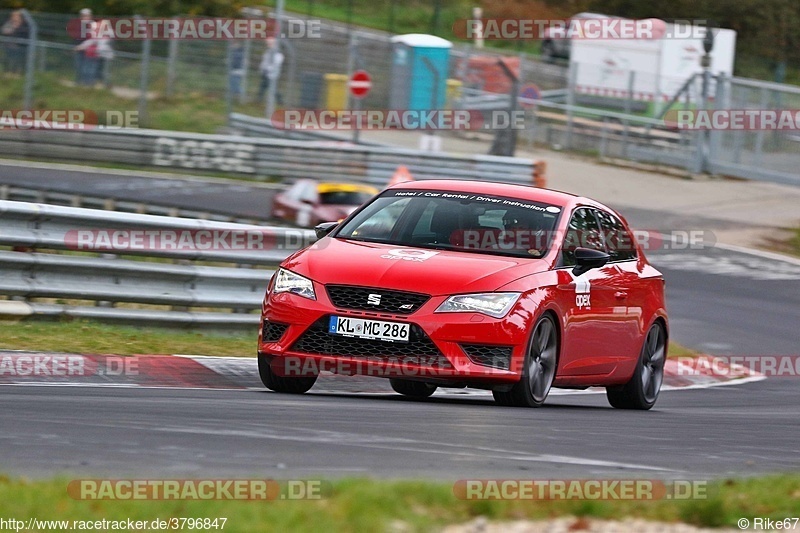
619, 242
583, 232
309, 194
294, 192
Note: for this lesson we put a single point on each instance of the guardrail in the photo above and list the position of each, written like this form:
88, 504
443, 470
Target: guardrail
117, 279
250, 126
281, 158
47, 196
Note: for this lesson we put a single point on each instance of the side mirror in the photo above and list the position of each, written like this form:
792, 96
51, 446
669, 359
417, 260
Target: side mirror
587, 259
321, 230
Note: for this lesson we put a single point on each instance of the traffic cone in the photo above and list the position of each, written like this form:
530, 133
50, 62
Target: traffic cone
540, 174
400, 175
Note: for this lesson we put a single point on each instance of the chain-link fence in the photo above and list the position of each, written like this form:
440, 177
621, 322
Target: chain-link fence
600, 110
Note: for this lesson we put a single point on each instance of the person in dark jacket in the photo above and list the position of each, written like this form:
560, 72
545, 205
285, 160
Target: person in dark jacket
14, 29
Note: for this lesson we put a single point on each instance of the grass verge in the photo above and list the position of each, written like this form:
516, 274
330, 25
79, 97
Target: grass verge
83, 336
370, 505
193, 111
792, 244
86, 336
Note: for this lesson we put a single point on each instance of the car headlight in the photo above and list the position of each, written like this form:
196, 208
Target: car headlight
288, 281
494, 304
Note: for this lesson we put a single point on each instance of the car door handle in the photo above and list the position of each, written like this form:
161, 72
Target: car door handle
620, 295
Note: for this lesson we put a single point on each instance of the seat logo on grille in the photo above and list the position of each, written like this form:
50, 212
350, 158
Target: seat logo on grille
374, 299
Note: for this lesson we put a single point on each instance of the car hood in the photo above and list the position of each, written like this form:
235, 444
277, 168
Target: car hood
436, 272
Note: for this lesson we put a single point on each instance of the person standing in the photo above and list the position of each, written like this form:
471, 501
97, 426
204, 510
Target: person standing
236, 70
84, 15
90, 53
15, 29
105, 53
270, 68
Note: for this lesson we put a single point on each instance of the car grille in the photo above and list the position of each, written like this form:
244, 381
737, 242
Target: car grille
419, 350
397, 302
489, 355
273, 331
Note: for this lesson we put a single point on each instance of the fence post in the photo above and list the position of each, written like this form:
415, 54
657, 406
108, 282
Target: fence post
626, 126
172, 62
144, 75
715, 136
243, 98
571, 81
758, 156
30, 58
273, 83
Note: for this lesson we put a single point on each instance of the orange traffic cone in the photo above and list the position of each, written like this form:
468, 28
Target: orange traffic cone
400, 175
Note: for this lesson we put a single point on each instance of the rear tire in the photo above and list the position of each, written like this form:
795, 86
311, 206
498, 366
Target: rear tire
412, 389
539, 370
287, 385
641, 392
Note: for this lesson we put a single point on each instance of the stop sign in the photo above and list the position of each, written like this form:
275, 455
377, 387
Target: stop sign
360, 83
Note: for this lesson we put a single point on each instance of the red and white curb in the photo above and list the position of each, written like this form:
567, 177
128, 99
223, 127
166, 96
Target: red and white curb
208, 372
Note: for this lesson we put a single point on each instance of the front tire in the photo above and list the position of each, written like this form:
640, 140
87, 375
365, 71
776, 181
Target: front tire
412, 389
287, 385
641, 392
539, 371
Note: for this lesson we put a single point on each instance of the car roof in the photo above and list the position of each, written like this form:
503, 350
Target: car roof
526, 192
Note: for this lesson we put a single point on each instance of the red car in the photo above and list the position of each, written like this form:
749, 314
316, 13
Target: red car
470, 284
309, 202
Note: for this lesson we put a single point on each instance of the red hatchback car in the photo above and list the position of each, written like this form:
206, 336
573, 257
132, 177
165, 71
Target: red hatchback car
471, 284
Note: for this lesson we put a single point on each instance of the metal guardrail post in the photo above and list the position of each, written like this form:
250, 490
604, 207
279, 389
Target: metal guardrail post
30, 57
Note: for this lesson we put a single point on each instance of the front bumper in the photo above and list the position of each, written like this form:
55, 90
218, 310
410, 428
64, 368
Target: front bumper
458, 348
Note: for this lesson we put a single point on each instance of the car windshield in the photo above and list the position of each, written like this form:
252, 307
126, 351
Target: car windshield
344, 197
447, 220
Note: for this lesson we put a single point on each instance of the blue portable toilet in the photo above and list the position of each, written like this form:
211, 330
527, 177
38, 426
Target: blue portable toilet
419, 71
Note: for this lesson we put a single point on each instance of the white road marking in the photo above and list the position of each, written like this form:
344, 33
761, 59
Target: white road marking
752, 268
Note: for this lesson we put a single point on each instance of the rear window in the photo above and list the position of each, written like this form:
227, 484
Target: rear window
344, 197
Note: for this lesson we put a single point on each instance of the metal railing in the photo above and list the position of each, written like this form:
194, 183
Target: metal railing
276, 158
134, 283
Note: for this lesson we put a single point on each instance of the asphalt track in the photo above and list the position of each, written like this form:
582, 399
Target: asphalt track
720, 300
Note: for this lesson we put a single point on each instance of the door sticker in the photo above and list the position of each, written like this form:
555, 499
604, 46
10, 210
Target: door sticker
583, 294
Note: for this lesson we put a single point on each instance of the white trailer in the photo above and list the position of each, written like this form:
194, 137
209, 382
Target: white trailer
654, 69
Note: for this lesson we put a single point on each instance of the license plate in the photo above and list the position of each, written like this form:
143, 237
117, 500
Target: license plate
369, 329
